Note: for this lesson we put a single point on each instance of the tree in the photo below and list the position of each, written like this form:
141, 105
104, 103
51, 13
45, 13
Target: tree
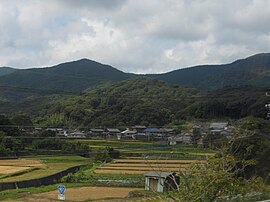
22, 120
217, 180
253, 143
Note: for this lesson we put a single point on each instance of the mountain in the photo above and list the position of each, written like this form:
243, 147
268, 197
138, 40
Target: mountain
254, 70
73, 76
6, 70
79, 75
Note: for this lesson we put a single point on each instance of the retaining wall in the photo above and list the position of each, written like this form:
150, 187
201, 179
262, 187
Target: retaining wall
48, 180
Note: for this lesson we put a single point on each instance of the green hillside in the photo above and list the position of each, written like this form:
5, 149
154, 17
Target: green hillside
254, 70
141, 101
134, 101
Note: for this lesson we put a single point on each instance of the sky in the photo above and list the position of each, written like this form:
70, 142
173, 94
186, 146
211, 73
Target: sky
139, 36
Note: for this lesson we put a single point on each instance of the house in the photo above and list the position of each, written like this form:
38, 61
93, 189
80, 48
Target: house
169, 131
219, 126
160, 181
183, 138
58, 131
151, 130
127, 134
77, 134
97, 131
139, 129
156, 134
113, 132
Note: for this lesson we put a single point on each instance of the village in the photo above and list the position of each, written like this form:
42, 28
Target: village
198, 135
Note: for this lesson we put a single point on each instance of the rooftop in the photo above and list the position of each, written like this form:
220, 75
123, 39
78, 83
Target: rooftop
162, 174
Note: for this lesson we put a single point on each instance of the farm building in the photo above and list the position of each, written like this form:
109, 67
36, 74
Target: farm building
160, 181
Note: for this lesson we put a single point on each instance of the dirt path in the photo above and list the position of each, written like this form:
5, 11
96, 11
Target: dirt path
81, 194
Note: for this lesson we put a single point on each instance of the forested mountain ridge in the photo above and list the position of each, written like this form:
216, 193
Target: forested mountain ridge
6, 70
88, 93
133, 101
71, 76
254, 70
79, 75
141, 101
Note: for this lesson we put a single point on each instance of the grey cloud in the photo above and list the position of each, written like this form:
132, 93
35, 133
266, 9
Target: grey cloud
93, 4
136, 36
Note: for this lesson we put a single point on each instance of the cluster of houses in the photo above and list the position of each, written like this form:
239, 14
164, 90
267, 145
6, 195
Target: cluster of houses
196, 136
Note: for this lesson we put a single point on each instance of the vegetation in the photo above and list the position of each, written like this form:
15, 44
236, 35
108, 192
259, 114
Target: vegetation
253, 146
70, 77
238, 173
142, 101
250, 71
218, 181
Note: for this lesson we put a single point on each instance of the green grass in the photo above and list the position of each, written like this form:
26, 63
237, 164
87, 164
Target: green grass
154, 150
87, 175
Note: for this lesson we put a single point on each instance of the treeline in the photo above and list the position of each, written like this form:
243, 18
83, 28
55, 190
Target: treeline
142, 101
17, 138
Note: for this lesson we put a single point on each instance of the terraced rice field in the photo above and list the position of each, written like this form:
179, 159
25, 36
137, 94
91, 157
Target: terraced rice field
139, 166
18, 165
36, 167
21, 162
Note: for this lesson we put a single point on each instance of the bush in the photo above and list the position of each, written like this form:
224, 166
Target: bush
103, 156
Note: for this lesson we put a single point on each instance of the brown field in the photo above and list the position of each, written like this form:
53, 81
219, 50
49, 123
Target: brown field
82, 194
12, 169
119, 171
163, 165
140, 169
155, 161
11, 166
21, 162
139, 166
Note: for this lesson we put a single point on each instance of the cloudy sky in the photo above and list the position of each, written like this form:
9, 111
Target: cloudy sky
141, 36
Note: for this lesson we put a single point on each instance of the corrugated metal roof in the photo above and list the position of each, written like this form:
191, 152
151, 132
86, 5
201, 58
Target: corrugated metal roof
162, 174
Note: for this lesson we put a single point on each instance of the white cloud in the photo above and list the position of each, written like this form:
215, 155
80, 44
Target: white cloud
142, 36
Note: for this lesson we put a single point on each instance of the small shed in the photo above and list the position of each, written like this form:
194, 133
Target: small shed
161, 181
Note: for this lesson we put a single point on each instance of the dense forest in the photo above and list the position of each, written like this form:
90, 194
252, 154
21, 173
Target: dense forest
141, 101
